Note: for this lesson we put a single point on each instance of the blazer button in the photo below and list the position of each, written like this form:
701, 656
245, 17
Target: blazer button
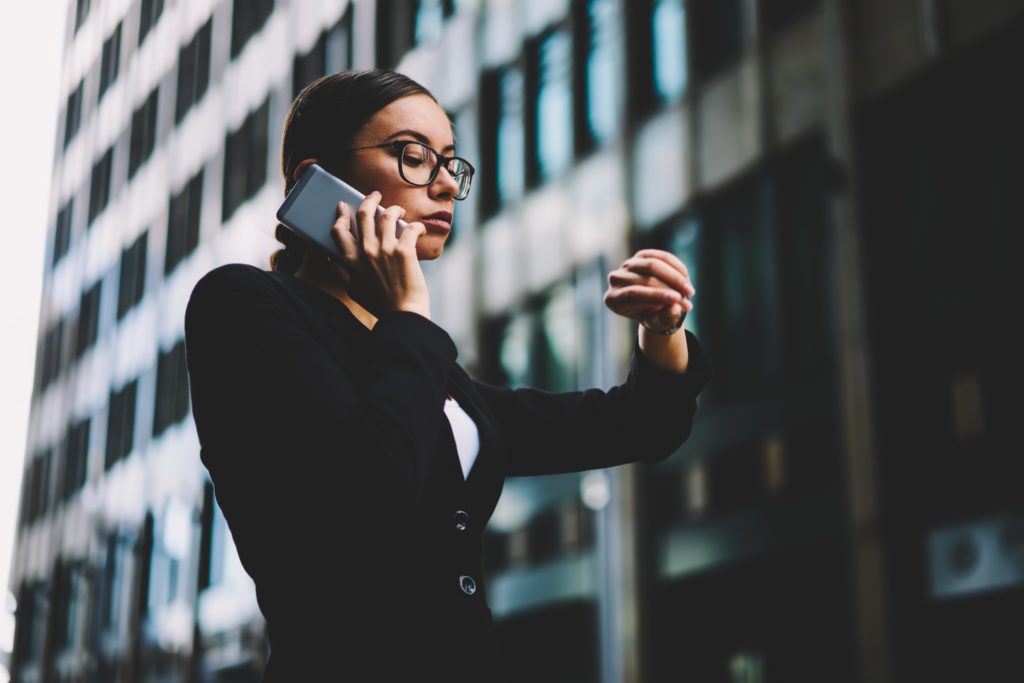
467, 584
461, 518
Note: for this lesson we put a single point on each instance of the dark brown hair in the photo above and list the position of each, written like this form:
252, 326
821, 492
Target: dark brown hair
321, 124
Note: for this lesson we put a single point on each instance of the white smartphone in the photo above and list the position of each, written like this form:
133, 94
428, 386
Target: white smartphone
311, 208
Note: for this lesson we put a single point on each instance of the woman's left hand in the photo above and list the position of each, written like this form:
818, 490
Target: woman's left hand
651, 287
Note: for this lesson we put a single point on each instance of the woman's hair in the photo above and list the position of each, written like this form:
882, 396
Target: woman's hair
321, 124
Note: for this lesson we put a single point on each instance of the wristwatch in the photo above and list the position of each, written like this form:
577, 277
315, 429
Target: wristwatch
671, 330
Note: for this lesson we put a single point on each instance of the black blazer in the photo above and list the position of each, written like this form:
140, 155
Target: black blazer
337, 472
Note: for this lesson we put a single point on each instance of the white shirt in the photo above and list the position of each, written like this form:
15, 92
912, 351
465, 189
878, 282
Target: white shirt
467, 437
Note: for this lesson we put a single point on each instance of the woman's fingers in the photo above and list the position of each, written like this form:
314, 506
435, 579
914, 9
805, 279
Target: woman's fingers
342, 233
666, 256
641, 296
387, 224
655, 270
366, 219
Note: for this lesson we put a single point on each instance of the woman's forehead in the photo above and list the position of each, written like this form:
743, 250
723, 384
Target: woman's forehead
417, 113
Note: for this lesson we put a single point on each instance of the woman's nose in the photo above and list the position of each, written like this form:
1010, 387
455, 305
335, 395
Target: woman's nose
444, 183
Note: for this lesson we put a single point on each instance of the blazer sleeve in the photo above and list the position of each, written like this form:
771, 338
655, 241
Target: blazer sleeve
264, 385
642, 420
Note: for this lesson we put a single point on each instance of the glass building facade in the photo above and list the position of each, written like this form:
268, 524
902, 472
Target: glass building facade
841, 179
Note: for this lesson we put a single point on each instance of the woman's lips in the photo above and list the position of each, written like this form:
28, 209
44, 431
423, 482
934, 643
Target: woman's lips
437, 224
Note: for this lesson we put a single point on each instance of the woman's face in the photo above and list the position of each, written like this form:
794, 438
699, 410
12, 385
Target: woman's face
417, 118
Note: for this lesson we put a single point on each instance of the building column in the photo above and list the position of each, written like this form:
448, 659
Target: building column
859, 450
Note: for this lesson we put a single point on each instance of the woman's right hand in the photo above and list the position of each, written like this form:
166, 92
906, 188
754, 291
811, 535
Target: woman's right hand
381, 271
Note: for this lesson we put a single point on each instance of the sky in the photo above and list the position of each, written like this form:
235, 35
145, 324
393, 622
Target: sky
31, 36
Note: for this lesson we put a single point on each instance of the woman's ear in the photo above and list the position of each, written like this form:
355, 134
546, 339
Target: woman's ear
301, 168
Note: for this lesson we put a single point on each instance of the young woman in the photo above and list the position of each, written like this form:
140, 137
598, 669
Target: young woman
355, 462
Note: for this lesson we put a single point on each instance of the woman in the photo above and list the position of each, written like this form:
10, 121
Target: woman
321, 389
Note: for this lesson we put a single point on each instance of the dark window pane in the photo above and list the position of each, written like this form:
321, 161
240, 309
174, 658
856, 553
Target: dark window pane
247, 18
88, 320
338, 44
193, 71
148, 16
396, 32
245, 160
62, 231
76, 452
81, 12
99, 184
110, 62
171, 388
774, 15
132, 278
73, 114
183, 222
309, 66
121, 423
143, 135
717, 31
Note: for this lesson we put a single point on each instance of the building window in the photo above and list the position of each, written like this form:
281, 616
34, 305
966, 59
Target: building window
746, 287
396, 32
36, 487
113, 584
148, 16
430, 16
62, 231
76, 457
510, 168
99, 184
110, 62
331, 53
717, 35
193, 71
183, 222
132, 280
245, 164
310, 66
247, 18
31, 626
669, 45
776, 15
599, 90
539, 346
53, 354
73, 114
120, 423
88, 319
81, 13
338, 44
143, 135
549, 126
68, 604
171, 388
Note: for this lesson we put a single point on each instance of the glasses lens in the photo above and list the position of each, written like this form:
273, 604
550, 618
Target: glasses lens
417, 163
462, 173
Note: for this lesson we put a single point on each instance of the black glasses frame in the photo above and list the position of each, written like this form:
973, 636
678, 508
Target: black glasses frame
442, 160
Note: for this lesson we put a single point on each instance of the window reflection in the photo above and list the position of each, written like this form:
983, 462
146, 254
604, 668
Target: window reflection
684, 244
511, 164
671, 68
604, 84
554, 106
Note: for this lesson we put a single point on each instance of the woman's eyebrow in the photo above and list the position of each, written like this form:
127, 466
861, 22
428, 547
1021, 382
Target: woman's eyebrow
419, 136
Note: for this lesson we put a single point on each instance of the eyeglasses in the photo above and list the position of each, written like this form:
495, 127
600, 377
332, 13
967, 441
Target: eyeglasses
418, 164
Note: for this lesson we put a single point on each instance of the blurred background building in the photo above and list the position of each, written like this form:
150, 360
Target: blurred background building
843, 179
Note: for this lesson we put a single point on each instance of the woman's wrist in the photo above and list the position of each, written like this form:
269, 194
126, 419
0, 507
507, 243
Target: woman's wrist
668, 331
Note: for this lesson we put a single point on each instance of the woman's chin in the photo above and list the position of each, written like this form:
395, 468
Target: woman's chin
430, 247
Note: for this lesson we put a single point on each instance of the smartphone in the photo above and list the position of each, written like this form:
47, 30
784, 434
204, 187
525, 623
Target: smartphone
311, 208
